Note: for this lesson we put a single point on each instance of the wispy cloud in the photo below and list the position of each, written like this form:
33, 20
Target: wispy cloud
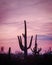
44, 37
23, 8
37, 13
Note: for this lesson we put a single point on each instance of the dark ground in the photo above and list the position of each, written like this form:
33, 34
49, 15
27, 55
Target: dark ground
45, 59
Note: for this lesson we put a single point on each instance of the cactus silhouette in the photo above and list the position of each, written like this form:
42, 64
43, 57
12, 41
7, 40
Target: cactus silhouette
24, 48
9, 53
36, 50
2, 50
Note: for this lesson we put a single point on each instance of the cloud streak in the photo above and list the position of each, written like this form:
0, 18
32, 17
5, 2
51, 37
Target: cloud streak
23, 8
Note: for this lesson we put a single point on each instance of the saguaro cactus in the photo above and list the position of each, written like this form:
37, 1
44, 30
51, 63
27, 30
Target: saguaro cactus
2, 50
24, 48
36, 50
9, 53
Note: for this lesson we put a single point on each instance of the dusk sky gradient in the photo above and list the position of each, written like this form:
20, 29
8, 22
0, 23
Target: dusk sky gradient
37, 13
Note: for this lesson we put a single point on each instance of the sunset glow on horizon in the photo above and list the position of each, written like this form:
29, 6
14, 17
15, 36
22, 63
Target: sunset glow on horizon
38, 15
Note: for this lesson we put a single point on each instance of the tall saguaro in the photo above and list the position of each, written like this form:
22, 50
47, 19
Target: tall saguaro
24, 48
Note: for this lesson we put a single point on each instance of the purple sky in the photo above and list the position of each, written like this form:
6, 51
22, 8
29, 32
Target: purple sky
37, 13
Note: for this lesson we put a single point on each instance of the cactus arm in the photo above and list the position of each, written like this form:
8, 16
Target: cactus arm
23, 35
32, 50
20, 43
39, 50
36, 39
30, 42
